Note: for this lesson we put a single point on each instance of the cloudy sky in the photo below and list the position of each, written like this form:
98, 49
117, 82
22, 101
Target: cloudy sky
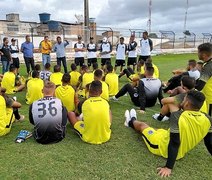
166, 14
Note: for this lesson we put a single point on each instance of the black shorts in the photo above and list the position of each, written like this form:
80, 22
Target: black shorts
105, 61
91, 61
131, 61
16, 62
120, 63
79, 61
144, 58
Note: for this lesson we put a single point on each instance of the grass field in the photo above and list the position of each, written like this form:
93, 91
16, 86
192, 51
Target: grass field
125, 156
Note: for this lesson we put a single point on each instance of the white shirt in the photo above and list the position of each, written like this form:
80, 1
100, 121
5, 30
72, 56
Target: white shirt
91, 54
79, 46
145, 47
194, 74
105, 47
121, 51
14, 48
132, 53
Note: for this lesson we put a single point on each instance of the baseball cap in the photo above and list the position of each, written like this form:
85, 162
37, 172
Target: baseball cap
12, 40
91, 38
79, 37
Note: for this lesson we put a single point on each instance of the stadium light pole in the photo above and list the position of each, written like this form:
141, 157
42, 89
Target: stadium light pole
149, 23
86, 20
186, 14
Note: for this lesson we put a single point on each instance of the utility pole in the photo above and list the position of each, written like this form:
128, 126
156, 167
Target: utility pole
149, 22
86, 21
186, 14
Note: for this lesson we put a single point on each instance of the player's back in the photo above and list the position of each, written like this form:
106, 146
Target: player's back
105, 91
44, 75
67, 95
113, 83
74, 78
34, 90
8, 82
56, 78
87, 78
96, 115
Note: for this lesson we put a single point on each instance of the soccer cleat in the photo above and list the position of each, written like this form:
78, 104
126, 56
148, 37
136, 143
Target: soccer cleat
133, 113
155, 117
114, 98
128, 118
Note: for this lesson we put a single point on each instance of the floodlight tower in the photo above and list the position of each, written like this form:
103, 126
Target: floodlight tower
86, 21
186, 14
149, 22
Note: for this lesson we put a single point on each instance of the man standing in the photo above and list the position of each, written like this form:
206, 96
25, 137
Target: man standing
132, 54
79, 49
27, 48
14, 53
59, 48
45, 48
48, 116
105, 50
5, 55
91, 48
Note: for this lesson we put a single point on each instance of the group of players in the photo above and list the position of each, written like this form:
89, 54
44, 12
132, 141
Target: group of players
81, 97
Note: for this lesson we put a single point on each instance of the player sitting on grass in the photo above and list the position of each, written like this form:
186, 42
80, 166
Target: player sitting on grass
66, 93
98, 75
112, 80
46, 73
187, 128
48, 116
56, 76
97, 117
74, 75
170, 104
9, 81
34, 88
145, 93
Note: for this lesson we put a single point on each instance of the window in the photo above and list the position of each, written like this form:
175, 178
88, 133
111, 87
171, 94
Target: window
12, 27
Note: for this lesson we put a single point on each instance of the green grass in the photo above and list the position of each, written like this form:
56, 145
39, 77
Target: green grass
125, 156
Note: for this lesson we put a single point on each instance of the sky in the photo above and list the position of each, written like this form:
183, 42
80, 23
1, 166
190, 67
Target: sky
128, 14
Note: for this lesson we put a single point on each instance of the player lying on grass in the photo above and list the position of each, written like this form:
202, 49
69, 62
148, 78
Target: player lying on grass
187, 128
97, 117
48, 116
145, 93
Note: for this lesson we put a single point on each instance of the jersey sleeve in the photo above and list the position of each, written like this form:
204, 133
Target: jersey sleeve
206, 72
174, 119
75, 45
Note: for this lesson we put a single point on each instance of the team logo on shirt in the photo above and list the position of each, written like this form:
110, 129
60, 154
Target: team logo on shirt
150, 132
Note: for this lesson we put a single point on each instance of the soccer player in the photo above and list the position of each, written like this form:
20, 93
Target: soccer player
187, 129
205, 81
132, 54
9, 81
121, 50
66, 93
105, 50
48, 116
149, 63
145, 93
98, 76
79, 49
34, 88
95, 127
59, 48
95, 66
45, 49
112, 80
56, 76
46, 73
14, 50
75, 75
92, 49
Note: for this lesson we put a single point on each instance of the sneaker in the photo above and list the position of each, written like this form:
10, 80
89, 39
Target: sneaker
114, 98
133, 113
15, 98
155, 117
128, 118
22, 117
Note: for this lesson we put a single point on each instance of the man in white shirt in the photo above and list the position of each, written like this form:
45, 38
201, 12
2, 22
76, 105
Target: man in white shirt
105, 50
132, 54
91, 48
14, 50
121, 50
79, 49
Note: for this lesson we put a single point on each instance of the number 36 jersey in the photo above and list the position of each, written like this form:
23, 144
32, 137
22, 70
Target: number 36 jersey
47, 116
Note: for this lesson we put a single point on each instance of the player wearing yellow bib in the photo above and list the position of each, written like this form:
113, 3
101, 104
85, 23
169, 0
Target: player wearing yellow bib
98, 75
56, 76
74, 75
34, 88
95, 127
9, 81
112, 81
187, 129
66, 93
204, 83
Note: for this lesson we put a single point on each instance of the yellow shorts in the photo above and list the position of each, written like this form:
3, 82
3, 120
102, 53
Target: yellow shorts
79, 127
154, 141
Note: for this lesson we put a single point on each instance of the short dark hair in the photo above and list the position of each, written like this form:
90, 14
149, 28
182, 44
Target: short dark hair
192, 63
196, 99
35, 74
27, 36
122, 38
145, 32
200, 63
47, 66
188, 82
95, 65
12, 68
148, 64
5, 38
95, 87
73, 67
109, 68
84, 67
98, 73
46, 37
205, 48
37, 67
58, 37
66, 78
57, 68
150, 70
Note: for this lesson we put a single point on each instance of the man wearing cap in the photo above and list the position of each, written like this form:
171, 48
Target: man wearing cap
79, 49
105, 50
14, 50
91, 48
45, 48
59, 48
